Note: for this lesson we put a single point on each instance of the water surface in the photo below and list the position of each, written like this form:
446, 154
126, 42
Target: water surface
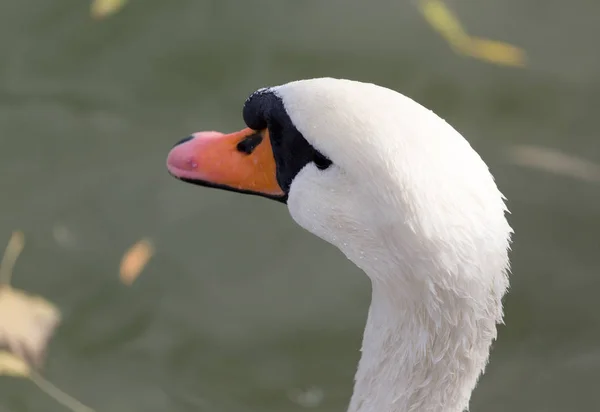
240, 308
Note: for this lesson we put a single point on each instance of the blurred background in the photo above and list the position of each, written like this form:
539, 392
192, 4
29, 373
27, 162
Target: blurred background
239, 309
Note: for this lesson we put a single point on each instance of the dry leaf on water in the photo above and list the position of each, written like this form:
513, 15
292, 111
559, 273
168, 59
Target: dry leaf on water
444, 22
135, 260
10, 365
104, 8
441, 18
27, 323
495, 52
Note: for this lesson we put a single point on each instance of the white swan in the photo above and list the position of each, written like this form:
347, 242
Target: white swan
405, 197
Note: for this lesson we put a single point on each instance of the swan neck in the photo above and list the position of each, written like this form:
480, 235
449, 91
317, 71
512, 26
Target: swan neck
415, 359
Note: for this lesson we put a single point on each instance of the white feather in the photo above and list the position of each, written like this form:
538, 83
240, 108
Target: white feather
413, 205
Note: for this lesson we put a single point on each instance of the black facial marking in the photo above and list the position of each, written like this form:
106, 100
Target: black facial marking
321, 161
264, 109
249, 143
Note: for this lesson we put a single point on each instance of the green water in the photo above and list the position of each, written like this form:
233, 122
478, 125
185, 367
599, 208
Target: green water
240, 309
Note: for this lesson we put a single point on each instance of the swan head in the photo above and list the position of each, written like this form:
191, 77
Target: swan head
405, 197
368, 170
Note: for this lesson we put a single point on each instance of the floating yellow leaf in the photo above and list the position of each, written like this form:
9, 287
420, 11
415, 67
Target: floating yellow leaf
135, 260
104, 8
441, 18
496, 52
444, 21
12, 366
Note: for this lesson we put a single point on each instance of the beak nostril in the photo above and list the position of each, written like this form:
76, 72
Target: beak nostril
185, 139
249, 143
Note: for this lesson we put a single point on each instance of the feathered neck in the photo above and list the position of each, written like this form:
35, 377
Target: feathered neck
424, 354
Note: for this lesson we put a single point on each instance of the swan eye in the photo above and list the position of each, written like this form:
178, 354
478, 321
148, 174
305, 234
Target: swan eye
321, 161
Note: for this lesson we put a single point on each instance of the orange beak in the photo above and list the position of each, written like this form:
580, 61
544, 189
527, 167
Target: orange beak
242, 161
